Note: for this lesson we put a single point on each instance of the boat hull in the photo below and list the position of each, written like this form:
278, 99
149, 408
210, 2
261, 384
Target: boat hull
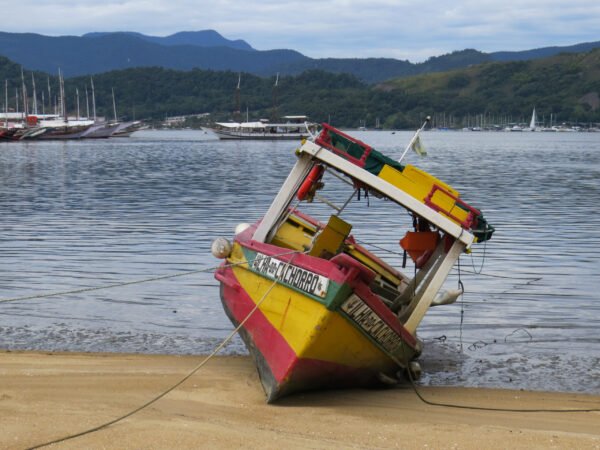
302, 343
224, 135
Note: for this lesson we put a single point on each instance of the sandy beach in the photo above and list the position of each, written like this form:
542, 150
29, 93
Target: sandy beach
45, 396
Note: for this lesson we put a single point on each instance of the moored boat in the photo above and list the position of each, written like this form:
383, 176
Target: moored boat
314, 307
289, 128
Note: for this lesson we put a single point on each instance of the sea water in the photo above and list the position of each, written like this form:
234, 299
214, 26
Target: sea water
78, 215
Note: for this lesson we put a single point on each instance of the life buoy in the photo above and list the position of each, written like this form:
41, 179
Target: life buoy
313, 177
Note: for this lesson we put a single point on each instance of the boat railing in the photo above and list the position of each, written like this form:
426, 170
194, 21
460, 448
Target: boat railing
472, 215
329, 138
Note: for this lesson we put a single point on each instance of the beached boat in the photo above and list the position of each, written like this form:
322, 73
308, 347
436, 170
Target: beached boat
316, 309
289, 128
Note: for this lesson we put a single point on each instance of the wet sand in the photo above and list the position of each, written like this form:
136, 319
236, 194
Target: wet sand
45, 396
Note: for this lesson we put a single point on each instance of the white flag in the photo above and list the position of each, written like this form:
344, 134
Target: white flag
418, 148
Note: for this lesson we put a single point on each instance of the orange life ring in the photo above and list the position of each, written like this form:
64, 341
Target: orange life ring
312, 179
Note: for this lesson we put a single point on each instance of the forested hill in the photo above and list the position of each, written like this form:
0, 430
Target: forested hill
566, 86
102, 52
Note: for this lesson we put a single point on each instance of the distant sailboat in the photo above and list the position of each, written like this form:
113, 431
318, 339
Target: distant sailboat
532, 126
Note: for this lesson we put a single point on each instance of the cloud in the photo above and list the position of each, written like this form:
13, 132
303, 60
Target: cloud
337, 28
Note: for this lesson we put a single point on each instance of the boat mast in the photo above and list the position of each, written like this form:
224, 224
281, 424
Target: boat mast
49, 96
77, 96
59, 107
64, 97
114, 104
93, 99
24, 91
274, 114
237, 110
87, 103
6, 103
35, 108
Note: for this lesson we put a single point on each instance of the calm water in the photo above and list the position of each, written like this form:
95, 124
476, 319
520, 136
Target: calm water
86, 214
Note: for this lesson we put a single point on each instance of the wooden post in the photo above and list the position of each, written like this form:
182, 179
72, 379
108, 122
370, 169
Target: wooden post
283, 198
430, 290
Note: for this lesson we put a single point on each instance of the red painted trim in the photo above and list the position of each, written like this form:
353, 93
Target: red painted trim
324, 140
471, 217
313, 374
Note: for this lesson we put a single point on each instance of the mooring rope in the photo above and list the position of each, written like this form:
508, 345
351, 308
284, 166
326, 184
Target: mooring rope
483, 408
146, 280
490, 408
181, 381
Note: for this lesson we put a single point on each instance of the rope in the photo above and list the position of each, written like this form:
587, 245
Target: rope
462, 305
176, 385
483, 408
478, 272
489, 408
128, 283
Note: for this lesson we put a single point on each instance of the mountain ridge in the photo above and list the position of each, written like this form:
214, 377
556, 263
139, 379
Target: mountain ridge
100, 52
202, 38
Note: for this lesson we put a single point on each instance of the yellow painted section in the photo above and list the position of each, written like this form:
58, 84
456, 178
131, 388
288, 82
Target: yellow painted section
418, 183
294, 236
310, 329
331, 239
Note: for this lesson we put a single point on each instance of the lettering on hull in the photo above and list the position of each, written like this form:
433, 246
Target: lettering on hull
373, 325
294, 276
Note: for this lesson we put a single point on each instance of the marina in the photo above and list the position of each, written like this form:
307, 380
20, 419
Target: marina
82, 214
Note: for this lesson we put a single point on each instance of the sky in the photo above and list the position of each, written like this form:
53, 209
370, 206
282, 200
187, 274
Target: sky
327, 28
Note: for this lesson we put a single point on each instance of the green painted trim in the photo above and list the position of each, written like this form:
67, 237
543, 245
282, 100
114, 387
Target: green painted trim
332, 290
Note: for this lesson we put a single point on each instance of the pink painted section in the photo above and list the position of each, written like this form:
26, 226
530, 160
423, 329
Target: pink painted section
268, 341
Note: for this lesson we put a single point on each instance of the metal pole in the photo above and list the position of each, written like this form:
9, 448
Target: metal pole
414, 138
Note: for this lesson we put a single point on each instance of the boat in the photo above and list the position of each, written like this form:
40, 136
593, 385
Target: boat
289, 128
314, 306
57, 127
532, 123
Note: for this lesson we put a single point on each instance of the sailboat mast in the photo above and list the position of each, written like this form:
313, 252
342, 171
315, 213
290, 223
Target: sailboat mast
274, 114
49, 96
237, 98
59, 108
77, 95
63, 97
24, 92
35, 108
87, 103
114, 104
93, 99
6, 103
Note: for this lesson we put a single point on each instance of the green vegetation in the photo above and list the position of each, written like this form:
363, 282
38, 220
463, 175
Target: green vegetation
566, 86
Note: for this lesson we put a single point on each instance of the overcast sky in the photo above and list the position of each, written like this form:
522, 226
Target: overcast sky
327, 28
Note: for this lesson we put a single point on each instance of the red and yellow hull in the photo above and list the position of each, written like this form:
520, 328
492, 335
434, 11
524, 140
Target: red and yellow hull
301, 340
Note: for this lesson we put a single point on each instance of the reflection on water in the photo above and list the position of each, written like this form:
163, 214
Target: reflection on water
83, 214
